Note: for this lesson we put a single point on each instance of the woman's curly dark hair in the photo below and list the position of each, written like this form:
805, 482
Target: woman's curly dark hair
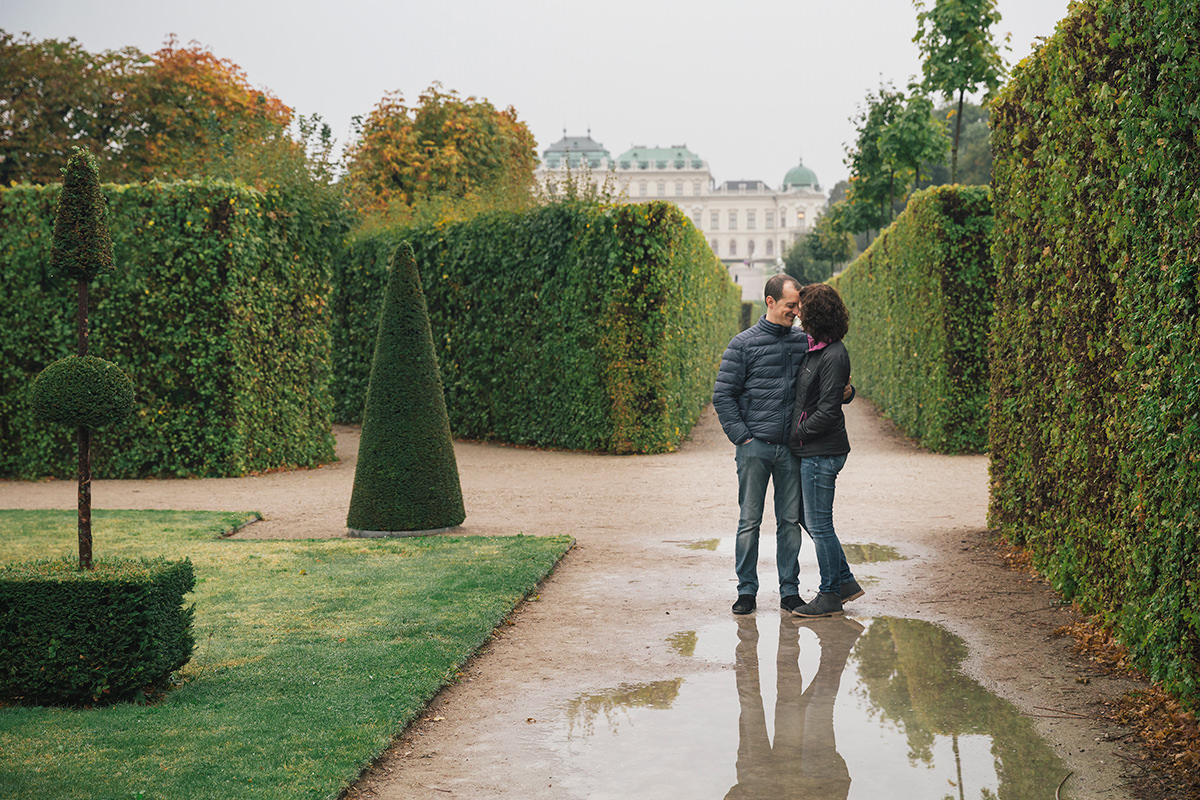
823, 315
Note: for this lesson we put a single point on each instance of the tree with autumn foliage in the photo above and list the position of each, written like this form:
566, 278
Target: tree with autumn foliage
198, 115
446, 148
179, 113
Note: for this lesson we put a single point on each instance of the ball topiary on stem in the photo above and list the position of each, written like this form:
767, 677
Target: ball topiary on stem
407, 476
82, 391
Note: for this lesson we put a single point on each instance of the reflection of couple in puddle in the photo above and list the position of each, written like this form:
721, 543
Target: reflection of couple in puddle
803, 762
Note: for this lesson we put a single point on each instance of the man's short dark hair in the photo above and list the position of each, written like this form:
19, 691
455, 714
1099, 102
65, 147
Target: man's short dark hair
775, 284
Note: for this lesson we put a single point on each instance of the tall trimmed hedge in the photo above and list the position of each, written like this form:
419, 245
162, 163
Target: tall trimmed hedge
217, 311
920, 301
580, 326
1095, 389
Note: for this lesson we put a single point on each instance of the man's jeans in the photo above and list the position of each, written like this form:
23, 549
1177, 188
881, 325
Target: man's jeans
818, 478
757, 463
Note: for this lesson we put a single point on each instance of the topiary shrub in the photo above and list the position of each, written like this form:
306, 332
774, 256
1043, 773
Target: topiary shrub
83, 391
82, 245
407, 476
98, 636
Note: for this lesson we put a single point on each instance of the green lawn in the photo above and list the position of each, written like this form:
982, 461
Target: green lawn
310, 656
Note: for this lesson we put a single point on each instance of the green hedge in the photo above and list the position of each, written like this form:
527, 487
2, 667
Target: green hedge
920, 301
1096, 370
217, 311
81, 637
574, 325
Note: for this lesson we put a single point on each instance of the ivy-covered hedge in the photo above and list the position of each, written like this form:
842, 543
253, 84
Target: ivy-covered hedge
920, 301
580, 326
217, 310
1095, 436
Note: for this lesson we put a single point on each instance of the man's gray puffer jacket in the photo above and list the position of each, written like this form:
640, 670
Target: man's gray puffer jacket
755, 389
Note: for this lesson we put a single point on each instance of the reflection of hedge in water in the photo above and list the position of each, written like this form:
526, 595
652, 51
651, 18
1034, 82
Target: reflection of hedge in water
910, 673
584, 709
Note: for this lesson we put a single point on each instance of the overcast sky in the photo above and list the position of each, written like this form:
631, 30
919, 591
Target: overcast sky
750, 87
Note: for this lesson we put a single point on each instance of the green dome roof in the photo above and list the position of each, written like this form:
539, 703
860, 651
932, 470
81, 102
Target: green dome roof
800, 177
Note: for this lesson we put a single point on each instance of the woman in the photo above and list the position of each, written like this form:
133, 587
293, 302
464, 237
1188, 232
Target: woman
818, 438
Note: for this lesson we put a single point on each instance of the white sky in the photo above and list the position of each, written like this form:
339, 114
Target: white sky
750, 87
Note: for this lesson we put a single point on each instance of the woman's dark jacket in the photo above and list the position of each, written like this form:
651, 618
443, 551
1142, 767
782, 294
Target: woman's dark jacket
818, 425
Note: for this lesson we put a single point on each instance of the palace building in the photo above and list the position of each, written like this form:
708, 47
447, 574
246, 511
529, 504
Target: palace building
748, 224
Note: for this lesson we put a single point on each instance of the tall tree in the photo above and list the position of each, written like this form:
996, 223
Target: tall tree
55, 95
960, 54
871, 195
897, 134
181, 112
914, 137
974, 148
444, 147
197, 115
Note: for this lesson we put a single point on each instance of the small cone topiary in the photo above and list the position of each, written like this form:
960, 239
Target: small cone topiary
407, 476
82, 247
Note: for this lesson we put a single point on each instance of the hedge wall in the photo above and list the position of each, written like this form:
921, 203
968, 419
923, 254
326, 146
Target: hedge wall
579, 326
217, 311
1095, 434
920, 301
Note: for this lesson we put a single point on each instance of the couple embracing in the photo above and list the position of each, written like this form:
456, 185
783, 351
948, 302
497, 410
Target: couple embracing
779, 397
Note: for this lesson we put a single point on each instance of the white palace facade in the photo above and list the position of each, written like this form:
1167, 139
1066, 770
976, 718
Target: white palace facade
748, 224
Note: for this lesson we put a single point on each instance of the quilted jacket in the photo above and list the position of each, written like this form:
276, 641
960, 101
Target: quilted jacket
755, 389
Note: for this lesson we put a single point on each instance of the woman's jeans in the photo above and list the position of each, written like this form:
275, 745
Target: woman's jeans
758, 463
818, 477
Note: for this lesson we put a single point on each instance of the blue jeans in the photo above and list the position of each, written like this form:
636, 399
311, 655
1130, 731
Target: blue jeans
818, 478
757, 464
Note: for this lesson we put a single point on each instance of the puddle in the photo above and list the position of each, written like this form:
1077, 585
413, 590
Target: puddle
683, 643
829, 708
855, 553
702, 544
870, 553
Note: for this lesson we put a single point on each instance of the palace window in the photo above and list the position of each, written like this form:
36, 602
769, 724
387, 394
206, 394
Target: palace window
751, 220
714, 220
733, 220
733, 247
770, 220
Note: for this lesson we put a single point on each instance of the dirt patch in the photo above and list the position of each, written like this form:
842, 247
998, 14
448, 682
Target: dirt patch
631, 581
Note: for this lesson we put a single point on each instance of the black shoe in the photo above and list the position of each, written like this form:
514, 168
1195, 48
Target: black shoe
745, 604
825, 604
850, 591
791, 602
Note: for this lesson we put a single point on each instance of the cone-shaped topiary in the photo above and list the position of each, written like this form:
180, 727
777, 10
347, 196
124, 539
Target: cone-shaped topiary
83, 391
407, 476
82, 246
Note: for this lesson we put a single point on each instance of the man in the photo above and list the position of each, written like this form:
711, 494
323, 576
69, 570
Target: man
754, 399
